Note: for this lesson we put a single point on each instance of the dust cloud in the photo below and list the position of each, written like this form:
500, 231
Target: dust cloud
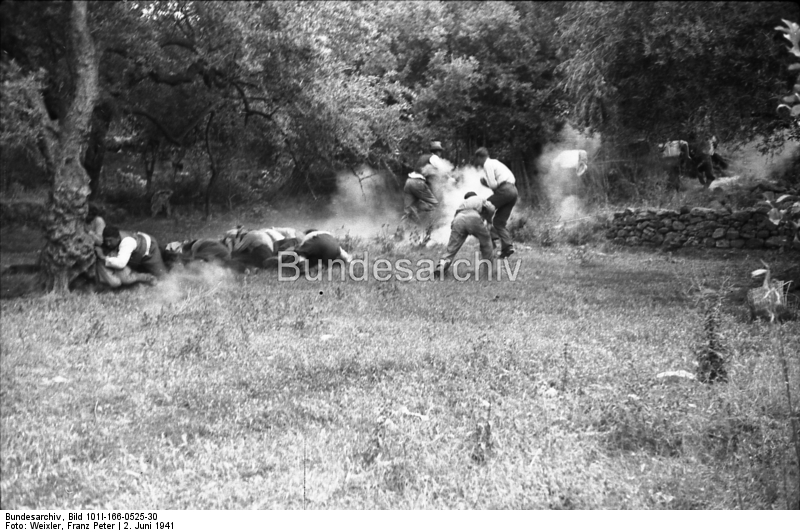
182, 285
451, 190
562, 185
748, 163
368, 202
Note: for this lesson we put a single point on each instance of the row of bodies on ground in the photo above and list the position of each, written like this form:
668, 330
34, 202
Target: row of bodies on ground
129, 257
243, 251
249, 250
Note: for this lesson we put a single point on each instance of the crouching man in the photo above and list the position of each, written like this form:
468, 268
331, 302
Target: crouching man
469, 220
127, 258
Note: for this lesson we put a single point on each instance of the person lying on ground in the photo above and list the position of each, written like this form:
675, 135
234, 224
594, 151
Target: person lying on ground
319, 249
252, 247
284, 238
203, 249
207, 250
128, 257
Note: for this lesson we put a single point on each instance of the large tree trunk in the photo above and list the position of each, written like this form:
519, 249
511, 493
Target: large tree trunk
69, 250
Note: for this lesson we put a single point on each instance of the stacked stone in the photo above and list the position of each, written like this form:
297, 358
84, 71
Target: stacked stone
711, 228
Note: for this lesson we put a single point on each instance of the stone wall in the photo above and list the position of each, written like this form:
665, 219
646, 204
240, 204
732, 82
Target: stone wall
711, 228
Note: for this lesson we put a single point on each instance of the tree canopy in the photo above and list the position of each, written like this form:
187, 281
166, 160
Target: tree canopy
299, 90
662, 70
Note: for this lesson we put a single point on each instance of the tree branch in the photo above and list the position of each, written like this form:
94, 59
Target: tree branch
182, 42
119, 51
175, 140
161, 128
246, 102
194, 71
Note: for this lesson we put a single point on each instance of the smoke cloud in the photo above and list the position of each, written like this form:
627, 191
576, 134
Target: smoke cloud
451, 190
561, 185
183, 285
367, 201
747, 162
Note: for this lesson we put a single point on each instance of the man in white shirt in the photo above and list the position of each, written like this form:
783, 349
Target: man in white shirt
501, 180
467, 221
127, 258
417, 193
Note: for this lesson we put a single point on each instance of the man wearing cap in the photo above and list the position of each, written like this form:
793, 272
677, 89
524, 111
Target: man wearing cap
468, 220
127, 258
417, 192
501, 180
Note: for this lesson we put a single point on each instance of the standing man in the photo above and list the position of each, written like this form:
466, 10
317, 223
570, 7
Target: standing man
128, 258
500, 179
417, 192
469, 220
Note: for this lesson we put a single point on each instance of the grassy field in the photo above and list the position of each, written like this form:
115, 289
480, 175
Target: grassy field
215, 391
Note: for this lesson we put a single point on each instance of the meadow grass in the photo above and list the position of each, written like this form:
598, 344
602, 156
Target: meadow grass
216, 391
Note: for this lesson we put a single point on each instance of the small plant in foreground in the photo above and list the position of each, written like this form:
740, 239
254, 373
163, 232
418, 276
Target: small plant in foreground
351, 243
419, 238
385, 240
481, 437
581, 255
710, 354
376, 445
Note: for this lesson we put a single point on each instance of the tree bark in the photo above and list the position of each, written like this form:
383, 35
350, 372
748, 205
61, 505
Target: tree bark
212, 166
68, 249
96, 150
150, 165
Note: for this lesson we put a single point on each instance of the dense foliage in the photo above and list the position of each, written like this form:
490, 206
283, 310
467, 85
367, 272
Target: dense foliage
671, 69
264, 95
